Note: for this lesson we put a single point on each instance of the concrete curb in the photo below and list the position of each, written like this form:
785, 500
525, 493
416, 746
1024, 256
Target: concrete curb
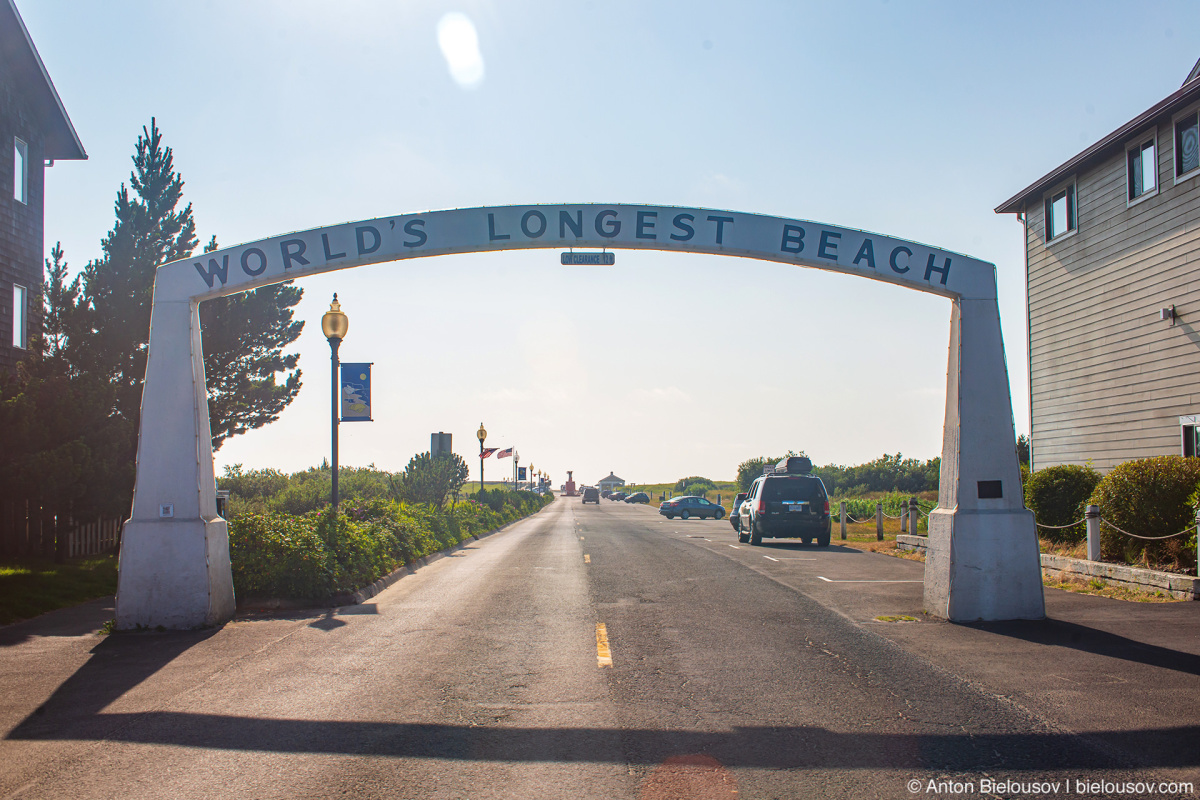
1182, 587
251, 604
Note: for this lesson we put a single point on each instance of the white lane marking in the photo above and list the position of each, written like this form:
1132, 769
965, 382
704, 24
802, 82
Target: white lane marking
827, 580
734, 546
768, 558
707, 540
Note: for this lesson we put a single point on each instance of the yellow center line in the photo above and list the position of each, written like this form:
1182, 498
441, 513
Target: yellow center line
587, 559
603, 654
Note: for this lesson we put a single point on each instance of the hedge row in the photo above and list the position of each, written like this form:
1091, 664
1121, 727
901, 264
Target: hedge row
308, 557
1147, 497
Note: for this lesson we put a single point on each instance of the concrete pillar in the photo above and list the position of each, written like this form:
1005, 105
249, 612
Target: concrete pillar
914, 515
982, 561
174, 562
1092, 515
879, 521
904, 516
842, 515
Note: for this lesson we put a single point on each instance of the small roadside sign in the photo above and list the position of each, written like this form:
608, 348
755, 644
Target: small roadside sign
605, 259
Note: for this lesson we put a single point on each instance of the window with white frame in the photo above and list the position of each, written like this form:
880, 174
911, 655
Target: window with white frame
20, 171
1187, 145
1141, 173
20, 301
1060, 212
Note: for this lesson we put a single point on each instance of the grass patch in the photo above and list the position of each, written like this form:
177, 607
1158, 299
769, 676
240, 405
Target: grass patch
1101, 589
32, 586
896, 618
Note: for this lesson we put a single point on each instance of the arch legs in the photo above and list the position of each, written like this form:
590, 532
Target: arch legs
982, 562
174, 563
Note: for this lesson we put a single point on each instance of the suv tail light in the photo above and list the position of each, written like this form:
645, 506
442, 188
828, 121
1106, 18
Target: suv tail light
762, 506
826, 505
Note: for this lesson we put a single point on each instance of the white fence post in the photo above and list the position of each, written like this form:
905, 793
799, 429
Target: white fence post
842, 512
904, 516
1092, 515
879, 521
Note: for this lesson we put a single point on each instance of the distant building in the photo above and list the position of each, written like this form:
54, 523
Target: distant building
610, 483
1112, 240
34, 132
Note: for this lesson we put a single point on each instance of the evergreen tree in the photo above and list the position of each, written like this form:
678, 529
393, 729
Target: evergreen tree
114, 303
244, 335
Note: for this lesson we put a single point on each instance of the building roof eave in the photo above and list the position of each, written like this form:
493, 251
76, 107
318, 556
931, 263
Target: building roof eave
1186, 94
62, 142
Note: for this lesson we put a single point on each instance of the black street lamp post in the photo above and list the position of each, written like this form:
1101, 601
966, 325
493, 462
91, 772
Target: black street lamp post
481, 434
334, 325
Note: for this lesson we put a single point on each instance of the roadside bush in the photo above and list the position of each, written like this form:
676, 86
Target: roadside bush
694, 485
309, 557
1058, 496
1150, 497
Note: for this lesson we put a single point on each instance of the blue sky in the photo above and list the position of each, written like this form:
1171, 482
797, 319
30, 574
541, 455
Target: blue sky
904, 118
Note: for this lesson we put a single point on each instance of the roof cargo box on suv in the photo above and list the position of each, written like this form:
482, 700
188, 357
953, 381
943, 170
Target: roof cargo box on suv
795, 465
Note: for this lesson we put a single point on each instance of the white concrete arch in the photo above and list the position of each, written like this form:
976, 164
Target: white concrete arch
983, 558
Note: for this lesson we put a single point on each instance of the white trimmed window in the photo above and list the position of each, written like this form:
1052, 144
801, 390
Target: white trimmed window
1060, 212
20, 302
1187, 145
20, 171
1141, 169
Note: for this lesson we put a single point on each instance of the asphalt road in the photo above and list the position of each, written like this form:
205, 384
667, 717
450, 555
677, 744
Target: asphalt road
736, 672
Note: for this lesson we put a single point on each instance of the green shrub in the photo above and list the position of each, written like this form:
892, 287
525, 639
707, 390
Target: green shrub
1150, 497
308, 557
694, 485
1059, 496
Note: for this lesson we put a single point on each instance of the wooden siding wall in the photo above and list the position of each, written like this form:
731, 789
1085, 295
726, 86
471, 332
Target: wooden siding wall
1108, 377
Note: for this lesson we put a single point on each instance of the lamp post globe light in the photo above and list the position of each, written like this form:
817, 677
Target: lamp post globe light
481, 435
334, 325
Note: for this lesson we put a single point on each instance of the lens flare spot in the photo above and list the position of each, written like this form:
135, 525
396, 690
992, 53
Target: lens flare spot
460, 47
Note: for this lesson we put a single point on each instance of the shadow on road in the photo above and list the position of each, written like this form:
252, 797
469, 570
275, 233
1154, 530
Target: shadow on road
763, 747
1059, 633
117, 664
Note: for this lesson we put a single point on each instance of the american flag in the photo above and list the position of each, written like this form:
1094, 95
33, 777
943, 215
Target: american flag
504, 453
487, 451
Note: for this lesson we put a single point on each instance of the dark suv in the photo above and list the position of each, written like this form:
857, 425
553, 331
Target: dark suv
786, 502
591, 495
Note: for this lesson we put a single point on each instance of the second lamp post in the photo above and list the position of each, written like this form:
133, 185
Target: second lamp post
334, 325
481, 434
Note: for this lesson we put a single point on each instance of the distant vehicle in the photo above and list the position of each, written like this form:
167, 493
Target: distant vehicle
591, 495
617, 496
786, 502
638, 497
735, 517
606, 493
690, 506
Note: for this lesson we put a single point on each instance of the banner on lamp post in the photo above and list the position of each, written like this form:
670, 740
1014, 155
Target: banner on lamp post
356, 392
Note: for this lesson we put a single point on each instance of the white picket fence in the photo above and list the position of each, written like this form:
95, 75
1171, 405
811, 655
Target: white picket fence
91, 538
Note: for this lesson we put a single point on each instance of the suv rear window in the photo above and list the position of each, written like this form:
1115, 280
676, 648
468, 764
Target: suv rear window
782, 489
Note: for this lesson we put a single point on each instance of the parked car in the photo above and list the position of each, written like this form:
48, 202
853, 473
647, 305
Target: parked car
638, 497
788, 502
690, 506
591, 495
606, 493
735, 517
617, 496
